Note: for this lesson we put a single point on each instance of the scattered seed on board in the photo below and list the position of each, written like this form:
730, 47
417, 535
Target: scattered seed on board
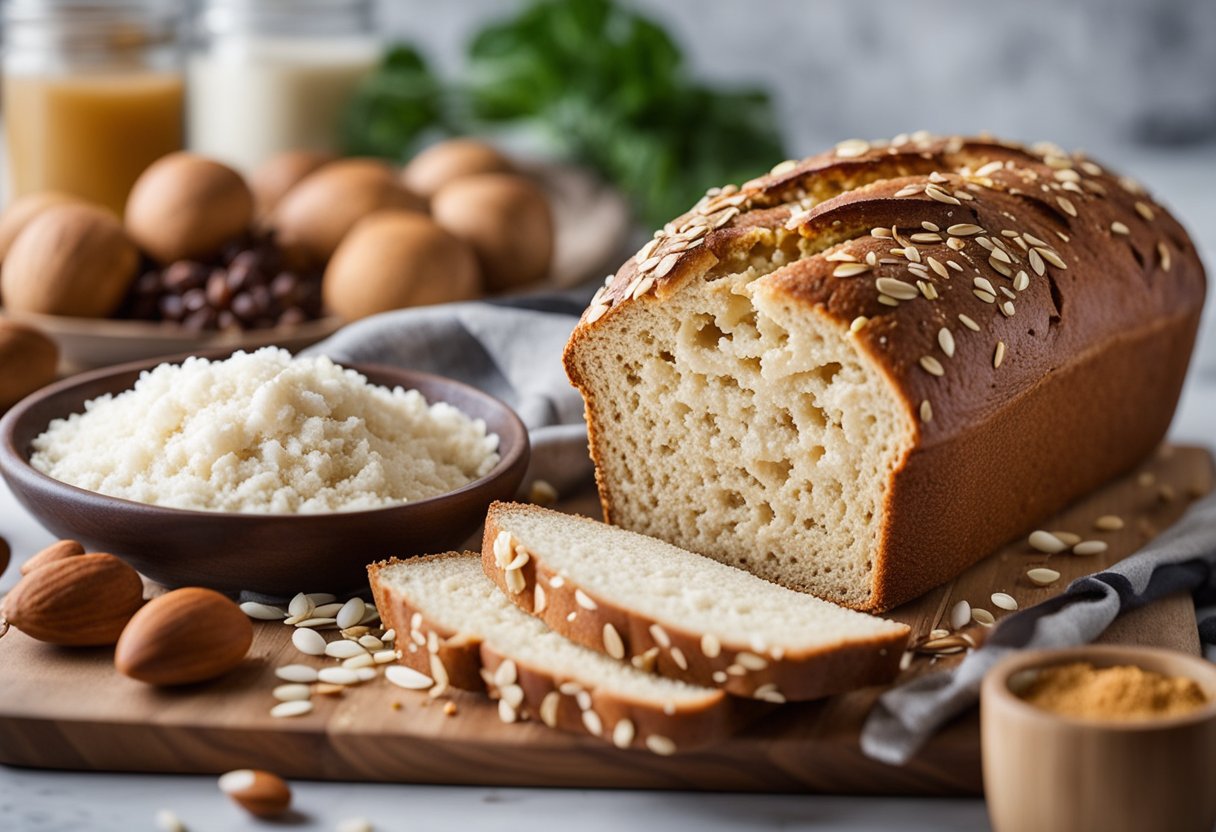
263, 612
1067, 538
309, 642
1042, 576
960, 615
1109, 523
292, 692
407, 677
338, 676
1089, 547
983, 617
1046, 542
660, 745
345, 649
1004, 601
285, 710
351, 613
301, 673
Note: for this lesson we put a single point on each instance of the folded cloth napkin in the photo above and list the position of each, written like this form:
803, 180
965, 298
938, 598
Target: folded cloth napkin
508, 348
1182, 559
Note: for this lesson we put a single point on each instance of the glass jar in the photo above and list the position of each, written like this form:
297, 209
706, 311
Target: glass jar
93, 93
273, 75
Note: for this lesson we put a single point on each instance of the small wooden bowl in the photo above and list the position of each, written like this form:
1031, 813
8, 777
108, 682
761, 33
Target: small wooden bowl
276, 554
1046, 773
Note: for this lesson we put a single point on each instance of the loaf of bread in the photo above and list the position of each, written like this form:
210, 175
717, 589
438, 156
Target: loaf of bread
682, 615
864, 371
454, 626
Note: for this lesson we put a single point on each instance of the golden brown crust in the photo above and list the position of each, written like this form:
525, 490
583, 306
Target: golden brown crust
1059, 267
756, 671
527, 692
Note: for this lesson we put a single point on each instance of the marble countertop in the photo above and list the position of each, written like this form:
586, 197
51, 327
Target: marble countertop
36, 801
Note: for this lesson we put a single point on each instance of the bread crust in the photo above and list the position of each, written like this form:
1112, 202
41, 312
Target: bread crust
768, 672
471, 664
1093, 347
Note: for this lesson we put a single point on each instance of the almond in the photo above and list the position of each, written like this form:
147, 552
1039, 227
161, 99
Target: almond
187, 635
259, 793
80, 601
57, 551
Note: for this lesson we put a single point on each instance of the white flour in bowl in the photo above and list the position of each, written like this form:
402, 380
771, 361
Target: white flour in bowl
263, 432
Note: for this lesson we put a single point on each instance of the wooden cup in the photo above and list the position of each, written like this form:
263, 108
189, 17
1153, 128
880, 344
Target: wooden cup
1044, 772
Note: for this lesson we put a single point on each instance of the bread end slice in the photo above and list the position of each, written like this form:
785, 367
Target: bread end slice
684, 616
455, 626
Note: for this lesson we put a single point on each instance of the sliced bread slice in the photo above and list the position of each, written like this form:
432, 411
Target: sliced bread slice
454, 625
680, 614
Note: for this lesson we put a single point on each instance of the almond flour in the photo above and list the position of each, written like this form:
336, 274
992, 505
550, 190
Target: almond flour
1124, 692
264, 432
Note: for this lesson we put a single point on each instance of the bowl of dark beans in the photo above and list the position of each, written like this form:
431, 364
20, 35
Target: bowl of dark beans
248, 296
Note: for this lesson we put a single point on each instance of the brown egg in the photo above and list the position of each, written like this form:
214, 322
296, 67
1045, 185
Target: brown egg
506, 218
27, 362
72, 259
280, 173
394, 259
450, 160
23, 209
315, 215
186, 207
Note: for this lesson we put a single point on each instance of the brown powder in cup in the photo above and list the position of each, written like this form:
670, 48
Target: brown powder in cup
1122, 692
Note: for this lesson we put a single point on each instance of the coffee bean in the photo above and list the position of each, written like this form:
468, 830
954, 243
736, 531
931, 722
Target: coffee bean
184, 275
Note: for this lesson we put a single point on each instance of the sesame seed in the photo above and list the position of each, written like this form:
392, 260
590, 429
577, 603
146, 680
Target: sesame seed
1004, 601
932, 366
1051, 257
612, 642
1001, 255
927, 289
990, 168
1117, 227
930, 226
784, 167
851, 148
644, 286
850, 269
858, 323
881, 233
1036, 262
887, 300
908, 190
1033, 240
1164, 253
968, 322
945, 339
985, 284
963, 195
926, 237
660, 636
1091, 168
998, 355
660, 745
593, 723
1007, 308
955, 244
1089, 547
584, 600
1145, 210
1021, 281
841, 256
871, 258
936, 193
1046, 542
710, 646
936, 178
926, 411
1042, 576
937, 266
963, 230
985, 243
986, 297
896, 288
677, 656
751, 661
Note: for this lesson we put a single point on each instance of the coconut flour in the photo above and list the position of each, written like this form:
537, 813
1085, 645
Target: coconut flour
265, 432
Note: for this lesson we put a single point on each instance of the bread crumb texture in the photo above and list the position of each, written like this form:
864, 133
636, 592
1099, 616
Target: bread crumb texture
263, 432
1123, 692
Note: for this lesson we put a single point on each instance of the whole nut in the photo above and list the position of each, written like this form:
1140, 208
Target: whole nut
57, 551
186, 207
28, 361
77, 601
449, 160
71, 259
184, 636
259, 793
314, 216
272, 179
22, 210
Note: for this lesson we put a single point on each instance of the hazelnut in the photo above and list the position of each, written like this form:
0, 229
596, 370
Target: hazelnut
280, 173
28, 360
23, 209
187, 207
71, 259
447, 161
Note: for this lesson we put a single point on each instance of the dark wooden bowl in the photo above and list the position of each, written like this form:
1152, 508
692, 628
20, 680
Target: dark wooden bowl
278, 554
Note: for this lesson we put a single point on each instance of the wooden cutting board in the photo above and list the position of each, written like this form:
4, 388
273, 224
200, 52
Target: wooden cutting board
68, 709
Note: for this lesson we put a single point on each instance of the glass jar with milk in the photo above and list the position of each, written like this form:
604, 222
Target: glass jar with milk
273, 75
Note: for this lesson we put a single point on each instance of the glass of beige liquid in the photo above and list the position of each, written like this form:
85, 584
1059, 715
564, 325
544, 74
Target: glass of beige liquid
273, 75
93, 94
